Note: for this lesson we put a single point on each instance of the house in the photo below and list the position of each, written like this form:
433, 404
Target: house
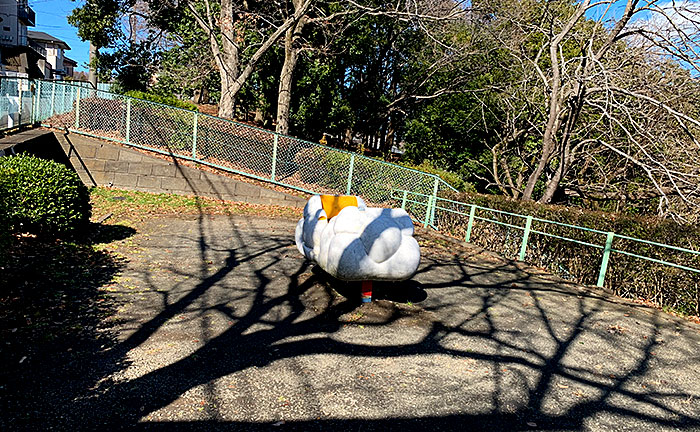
17, 57
15, 17
26, 53
69, 66
53, 49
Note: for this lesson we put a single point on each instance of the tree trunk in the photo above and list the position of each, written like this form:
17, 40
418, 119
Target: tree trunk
552, 126
553, 183
228, 98
348, 138
565, 149
390, 134
92, 75
227, 55
284, 96
229, 65
545, 158
291, 54
555, 106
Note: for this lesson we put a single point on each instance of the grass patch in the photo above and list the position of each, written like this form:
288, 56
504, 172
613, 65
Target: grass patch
129, 205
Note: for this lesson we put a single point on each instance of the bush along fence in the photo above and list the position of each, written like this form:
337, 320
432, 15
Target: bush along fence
209, 140
613, 255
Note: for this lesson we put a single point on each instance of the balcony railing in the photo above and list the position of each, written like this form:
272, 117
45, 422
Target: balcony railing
26, 14
38, 48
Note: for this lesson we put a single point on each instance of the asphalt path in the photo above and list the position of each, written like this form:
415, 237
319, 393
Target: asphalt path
221, 324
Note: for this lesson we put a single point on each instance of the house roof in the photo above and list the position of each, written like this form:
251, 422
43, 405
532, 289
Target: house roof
70, 61
45, 37
12, 59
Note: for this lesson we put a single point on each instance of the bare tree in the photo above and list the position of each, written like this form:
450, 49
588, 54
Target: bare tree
609, 87
225, 28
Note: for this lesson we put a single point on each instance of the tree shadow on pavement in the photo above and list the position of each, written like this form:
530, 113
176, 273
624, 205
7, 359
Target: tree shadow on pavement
498, 348
52, 309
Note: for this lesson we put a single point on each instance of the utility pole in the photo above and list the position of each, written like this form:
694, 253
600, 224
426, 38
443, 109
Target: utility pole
92, 76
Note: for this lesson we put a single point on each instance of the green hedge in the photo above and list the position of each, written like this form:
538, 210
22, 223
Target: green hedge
630, 277
41, 197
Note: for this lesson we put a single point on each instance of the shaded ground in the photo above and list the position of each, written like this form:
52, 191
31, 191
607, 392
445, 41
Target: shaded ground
222, 324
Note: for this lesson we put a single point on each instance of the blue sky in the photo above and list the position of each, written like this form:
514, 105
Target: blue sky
51, 18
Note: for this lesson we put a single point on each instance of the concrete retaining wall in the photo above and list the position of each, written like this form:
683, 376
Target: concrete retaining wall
99, 162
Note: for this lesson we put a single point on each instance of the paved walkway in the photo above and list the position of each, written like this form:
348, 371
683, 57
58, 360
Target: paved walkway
222, 324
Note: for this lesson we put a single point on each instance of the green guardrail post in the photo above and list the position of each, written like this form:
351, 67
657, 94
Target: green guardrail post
403, 201
470, 224
63, 99
350, 170
435, 190
20, 90
274, 158
33, 103
77, 109
36, 111
426, 220
194, 136
526, 236
128, 120
606, 259
53, 98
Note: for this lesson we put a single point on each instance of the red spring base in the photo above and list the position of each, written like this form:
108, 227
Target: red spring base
366, 291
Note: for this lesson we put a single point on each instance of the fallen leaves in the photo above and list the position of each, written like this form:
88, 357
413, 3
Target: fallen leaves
616, 329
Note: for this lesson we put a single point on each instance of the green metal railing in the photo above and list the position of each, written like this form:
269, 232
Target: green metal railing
207, 140
279, 159
427, 205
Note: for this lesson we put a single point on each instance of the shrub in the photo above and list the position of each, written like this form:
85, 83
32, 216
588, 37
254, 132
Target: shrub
41, 196
165, 100
626, 276
453, 179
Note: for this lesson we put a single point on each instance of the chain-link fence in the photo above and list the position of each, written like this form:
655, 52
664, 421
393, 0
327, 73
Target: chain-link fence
15, 103
210, 140
24, 102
